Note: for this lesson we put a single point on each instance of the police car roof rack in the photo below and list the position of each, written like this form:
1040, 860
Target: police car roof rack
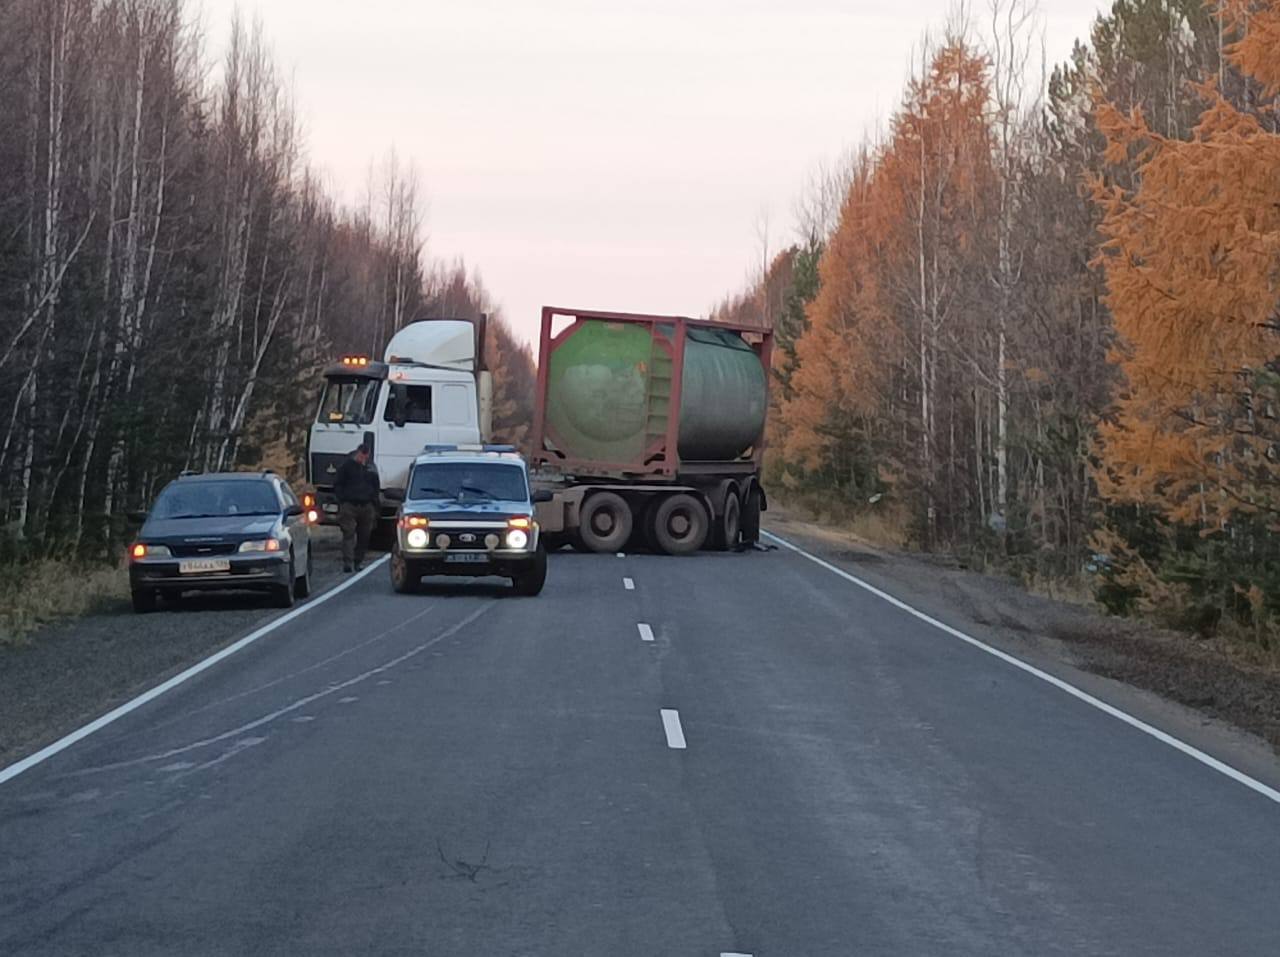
492, 449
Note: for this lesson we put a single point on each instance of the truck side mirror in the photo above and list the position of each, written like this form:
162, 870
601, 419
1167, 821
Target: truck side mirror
399, 401
393, 494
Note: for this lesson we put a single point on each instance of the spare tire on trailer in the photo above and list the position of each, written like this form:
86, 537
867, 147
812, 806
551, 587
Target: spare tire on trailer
680, 524
605, 522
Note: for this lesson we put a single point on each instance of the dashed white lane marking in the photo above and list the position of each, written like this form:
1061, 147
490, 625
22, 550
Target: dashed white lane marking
303, 718
675, 733
629, 584
348, 700
622, 554
384, 681
734, 954
1161, 736
44, 754
646, 633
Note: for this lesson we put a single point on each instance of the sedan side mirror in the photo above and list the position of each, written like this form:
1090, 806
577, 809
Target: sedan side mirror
393, 494
294, 511
543, 495
136, 518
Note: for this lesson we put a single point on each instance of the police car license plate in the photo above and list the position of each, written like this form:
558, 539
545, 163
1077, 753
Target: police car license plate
465, 558
203, 566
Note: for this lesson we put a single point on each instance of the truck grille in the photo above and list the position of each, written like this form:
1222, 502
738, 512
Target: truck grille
324, 468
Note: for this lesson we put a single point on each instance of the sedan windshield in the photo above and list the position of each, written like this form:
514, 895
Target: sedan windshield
216, 500
479, 481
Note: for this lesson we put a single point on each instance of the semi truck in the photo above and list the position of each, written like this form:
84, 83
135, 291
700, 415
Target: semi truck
430, 387
649, 427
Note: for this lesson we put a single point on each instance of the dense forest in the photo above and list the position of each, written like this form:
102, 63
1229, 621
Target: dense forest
1035, 324
173, 275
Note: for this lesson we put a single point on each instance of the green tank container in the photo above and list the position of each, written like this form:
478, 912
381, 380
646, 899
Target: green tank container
609, 389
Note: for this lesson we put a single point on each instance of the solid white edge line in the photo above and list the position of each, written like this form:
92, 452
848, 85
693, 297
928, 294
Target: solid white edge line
45, 753
671, 725
646, 632
1208, 760
629, 584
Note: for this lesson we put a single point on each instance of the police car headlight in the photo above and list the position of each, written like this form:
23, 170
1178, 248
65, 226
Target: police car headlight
417, 538
517, 538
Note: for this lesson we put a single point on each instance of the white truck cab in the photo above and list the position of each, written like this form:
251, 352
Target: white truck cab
430, 389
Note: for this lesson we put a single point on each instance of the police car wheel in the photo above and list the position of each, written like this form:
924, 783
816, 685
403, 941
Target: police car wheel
404, 579
530, 583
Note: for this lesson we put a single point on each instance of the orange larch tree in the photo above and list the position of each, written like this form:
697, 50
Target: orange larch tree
1192, 260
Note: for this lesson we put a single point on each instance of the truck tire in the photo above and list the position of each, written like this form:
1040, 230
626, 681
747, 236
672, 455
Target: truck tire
605, 522
530, 583
729, 525
751, 516
680, 524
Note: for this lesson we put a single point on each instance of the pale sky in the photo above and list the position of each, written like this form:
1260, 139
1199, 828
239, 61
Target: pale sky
603, 155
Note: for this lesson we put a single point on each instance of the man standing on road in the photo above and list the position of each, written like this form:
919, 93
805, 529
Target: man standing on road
357, 488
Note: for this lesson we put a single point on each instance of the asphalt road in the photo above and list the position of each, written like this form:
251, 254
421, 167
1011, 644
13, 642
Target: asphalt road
466, 772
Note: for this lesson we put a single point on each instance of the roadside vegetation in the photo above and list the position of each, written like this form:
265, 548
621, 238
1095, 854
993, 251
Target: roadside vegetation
1037, 328
46, 591
173, 275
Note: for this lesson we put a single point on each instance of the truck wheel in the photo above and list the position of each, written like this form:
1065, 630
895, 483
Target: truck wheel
605, 522
403, 578
729, 525
680, 524
530, 583
751, 516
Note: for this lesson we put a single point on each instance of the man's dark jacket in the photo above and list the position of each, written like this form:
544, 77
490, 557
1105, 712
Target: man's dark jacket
356, 483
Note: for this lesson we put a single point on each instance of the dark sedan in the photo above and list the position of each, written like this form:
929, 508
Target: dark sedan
222, 531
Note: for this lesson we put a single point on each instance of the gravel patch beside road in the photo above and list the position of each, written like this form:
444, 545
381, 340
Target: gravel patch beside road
70, 673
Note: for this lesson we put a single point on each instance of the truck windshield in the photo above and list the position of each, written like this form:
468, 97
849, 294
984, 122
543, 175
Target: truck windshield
469, 480
352, 400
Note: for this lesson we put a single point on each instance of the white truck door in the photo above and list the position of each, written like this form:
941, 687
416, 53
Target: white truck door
456, 413
397, 446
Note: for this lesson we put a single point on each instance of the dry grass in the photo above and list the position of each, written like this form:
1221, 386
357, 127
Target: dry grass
880, 525
1073, 590
38, 593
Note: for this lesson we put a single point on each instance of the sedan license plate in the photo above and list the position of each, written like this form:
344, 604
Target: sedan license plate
331, 508
203, 566
467, 558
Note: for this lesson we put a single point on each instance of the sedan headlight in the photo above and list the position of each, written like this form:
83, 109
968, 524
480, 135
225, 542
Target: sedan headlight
265, 545
517, 538
149, 551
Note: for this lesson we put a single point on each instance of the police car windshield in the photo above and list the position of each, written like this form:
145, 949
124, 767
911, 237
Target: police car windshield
469, 480
216, 499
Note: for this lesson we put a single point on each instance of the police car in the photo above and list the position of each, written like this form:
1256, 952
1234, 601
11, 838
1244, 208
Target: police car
468, 511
